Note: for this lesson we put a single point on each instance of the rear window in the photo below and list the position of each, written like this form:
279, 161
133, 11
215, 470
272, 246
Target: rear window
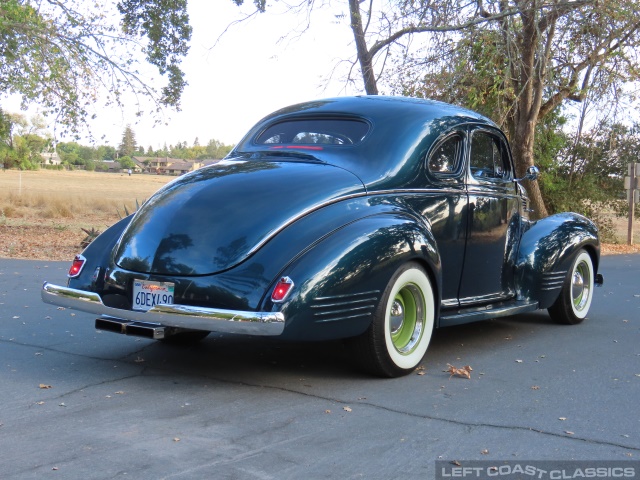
325, 131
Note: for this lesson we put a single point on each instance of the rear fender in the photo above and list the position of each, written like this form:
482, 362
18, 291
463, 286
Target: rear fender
339, 281
98, 254
546, 252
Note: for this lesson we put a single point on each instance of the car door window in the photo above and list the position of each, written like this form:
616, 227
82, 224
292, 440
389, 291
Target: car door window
445, 158
488, 157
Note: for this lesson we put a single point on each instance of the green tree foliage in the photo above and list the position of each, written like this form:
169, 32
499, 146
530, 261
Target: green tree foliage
216, 149
128, 144
126, 162
21, 144
165, 24
69, 153
587, 175
64, 55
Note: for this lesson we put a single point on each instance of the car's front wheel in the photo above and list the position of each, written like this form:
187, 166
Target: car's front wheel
401, 329
572, 306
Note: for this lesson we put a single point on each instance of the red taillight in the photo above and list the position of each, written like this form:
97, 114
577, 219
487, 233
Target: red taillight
76, 266
282, 289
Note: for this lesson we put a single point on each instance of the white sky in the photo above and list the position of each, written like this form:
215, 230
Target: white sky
246, 76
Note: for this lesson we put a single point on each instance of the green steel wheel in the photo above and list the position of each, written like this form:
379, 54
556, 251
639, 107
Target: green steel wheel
401, 329
574, 301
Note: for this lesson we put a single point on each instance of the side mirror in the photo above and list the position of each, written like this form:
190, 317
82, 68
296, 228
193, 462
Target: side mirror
531, 174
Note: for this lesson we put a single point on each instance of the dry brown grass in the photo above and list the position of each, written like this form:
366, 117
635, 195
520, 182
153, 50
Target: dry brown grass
53, 194
42, 212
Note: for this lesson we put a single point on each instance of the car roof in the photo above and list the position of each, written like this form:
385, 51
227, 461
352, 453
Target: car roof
402, 129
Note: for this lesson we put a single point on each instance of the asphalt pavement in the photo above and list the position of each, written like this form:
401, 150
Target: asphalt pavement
77, 403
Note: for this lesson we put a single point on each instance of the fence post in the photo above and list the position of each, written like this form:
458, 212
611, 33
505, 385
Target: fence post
632, 184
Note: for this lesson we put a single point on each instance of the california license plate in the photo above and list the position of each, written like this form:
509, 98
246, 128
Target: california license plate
147, 294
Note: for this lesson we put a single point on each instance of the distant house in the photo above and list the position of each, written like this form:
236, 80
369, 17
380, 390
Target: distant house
108, 166
166, 165
51, 158
180, 168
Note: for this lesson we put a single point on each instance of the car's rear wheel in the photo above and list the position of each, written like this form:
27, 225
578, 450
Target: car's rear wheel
401, 329
572, 306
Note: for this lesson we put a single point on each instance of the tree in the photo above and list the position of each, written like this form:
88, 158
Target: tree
217, 149
63, 55
69, 153
126, 162
128, 144
21, 141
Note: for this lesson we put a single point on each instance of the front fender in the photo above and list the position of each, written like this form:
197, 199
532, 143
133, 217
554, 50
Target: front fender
546, 252
340, 280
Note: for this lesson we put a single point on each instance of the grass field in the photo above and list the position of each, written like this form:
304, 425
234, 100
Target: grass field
34, 193
42, 212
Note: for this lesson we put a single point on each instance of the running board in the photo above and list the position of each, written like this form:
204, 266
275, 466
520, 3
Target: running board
475, 314
154, 331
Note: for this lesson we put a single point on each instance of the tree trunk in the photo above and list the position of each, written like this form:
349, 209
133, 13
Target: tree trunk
528, 75
364, 56
522, 149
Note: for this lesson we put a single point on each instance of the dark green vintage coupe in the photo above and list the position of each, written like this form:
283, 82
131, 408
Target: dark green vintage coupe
373, 219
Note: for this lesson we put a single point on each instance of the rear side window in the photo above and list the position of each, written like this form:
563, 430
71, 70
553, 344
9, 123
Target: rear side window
325, 131
445, 159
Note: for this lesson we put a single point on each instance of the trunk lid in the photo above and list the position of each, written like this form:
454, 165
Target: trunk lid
211, 219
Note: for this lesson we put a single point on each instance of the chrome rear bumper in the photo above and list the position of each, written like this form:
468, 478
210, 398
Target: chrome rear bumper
178, 316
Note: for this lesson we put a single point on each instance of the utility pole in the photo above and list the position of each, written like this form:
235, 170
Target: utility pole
632, 185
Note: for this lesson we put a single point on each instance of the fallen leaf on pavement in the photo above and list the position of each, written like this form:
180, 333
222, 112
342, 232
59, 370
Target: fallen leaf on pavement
460, 372
44, 387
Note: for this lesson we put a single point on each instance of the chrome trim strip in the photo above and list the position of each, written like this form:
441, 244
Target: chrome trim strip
333, 312
297, 217
491, 297
449, 303
179, 316
349, 317
348, 302
347, 295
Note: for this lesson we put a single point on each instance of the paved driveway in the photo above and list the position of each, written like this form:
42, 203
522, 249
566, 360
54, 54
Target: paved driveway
76, 403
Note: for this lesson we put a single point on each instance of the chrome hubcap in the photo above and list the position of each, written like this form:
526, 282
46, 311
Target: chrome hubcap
396, 317
580, 286
406, 318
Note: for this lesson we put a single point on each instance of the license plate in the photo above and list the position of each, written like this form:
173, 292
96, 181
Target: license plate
147, 294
